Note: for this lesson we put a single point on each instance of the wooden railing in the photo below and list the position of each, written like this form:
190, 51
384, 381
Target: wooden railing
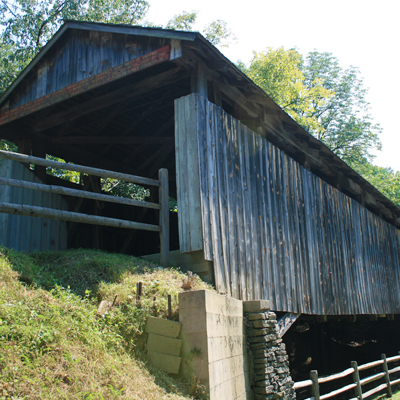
42, 212
314, 382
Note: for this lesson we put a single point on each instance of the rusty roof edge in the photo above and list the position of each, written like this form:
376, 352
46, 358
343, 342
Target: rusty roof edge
102, 27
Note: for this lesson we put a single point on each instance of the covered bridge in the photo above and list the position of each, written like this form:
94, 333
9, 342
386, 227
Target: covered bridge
270, 212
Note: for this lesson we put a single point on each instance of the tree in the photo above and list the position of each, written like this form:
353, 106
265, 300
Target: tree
386, 180
326, 100
183, 21
216, 32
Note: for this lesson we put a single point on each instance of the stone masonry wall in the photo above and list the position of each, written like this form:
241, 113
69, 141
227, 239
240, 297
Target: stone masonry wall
271, 375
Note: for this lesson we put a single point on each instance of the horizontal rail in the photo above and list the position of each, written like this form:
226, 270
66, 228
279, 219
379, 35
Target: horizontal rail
372, 378
395, 382
370, 365
41, 212
79, 168
339, 375
375, 390
392, 371
394, 358
357, 384
77, 193
302, 384
338, 391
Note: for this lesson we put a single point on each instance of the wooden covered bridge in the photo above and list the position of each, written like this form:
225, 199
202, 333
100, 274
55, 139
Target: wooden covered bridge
270, 212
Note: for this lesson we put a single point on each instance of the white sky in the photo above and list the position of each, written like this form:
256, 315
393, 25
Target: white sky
362, 33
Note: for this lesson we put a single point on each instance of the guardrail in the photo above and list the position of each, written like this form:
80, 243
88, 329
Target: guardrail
314, 382
42, 212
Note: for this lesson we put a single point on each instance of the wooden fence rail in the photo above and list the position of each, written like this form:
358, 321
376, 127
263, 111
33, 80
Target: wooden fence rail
42, 212
314, 382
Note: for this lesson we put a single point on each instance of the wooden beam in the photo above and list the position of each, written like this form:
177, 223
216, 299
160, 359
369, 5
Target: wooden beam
164, 216
140, 149
98, 196
284, 323
79, 168
199, 80
113, 139
146, 61
42, 212
106, 100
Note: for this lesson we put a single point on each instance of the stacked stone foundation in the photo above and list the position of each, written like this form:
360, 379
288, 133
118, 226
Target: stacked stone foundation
271, 376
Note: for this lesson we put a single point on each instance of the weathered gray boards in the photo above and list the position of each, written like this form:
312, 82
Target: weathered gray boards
273, 229
26, 233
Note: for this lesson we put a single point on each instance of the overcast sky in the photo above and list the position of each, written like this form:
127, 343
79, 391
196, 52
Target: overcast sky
365, 34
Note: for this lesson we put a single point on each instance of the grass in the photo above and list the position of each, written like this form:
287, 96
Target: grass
54, 345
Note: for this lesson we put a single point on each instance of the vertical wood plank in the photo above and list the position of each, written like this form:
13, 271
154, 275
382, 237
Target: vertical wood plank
356, 380
315, 385
164, 216
188, 175
385, 369
205, 205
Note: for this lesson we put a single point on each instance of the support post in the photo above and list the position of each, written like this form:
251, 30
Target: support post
356, 379
164, 216
199, 82
315, 385
387, 377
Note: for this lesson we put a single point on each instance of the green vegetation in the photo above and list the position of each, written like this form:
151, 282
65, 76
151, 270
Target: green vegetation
54, 345
329, 102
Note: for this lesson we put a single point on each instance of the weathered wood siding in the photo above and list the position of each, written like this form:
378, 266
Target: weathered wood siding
80, 55
276, 231
187, 175
29, 233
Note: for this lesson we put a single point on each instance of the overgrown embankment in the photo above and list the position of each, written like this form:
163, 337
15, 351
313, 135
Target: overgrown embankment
54, 345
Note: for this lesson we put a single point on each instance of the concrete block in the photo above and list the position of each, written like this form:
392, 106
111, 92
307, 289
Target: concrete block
218, 304
226, 370
226, 347
255, 306
165, 362
163, 327
192, 299
192, 320
218, 324
164, 344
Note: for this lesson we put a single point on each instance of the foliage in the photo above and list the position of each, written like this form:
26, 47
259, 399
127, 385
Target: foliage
124, 189
386, 180
51, 338
329, 102
326, 100
71, 176
216, 32
183, 21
